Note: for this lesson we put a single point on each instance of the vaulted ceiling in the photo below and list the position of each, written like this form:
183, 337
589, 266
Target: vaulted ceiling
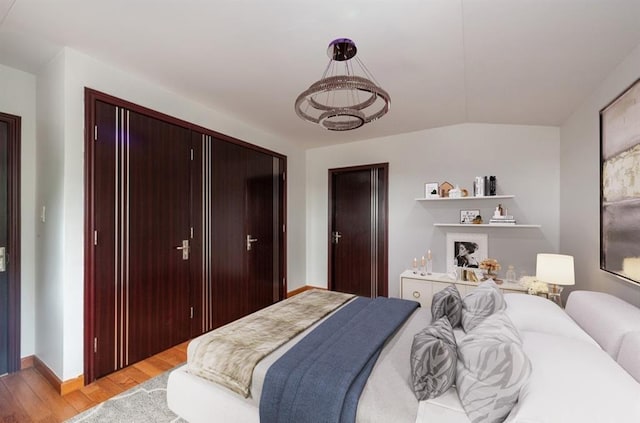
442, 61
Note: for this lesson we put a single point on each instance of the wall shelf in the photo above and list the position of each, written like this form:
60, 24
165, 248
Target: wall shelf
481, 225
485, 225
486, 197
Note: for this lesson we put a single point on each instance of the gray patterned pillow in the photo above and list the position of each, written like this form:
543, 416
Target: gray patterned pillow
447, 302
492, 369
433, 360
480, 303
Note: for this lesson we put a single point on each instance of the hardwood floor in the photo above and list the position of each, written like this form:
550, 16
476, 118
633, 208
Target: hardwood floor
26, 396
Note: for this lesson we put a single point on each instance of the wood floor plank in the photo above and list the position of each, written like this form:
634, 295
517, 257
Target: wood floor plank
79, 400
152, 366
58, 406
129, 375
35, 408
10, 409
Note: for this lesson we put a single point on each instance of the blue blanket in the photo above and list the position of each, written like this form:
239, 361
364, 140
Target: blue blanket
321, 378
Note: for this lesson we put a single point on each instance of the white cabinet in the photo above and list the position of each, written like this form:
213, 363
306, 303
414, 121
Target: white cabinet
421, 288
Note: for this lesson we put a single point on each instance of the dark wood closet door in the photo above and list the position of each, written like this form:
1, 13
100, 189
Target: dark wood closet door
245, 222
141, 204
159, 206
262, 221
357, 238
107, 290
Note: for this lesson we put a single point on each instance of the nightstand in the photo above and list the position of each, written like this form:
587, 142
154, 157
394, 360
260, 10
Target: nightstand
421, 288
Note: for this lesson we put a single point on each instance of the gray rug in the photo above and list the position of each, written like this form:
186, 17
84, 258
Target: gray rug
146, 402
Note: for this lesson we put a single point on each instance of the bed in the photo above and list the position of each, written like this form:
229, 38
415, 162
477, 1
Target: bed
580, 365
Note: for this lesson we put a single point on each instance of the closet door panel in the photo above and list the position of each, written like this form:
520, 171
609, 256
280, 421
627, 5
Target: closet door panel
262, 225
228, 232
158, 194
106, 281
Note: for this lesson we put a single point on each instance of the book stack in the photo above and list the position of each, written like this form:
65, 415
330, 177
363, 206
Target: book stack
502, 220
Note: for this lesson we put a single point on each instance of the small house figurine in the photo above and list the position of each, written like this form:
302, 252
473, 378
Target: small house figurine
444, 189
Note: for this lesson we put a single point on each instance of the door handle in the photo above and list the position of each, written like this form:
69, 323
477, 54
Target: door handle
250, 241
185, 249
335, 237
3, 259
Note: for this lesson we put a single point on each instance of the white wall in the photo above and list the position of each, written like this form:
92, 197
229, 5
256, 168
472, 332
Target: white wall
65, 275
18, 97
525, 160
580, 185
50, 283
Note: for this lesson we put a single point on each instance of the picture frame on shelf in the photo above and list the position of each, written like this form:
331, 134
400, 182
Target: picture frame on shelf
466, 250
620, 185
468, 216
431, 190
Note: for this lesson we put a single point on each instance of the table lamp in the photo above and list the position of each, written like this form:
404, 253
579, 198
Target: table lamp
556, 270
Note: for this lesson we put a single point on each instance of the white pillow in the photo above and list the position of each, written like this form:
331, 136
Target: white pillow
492, 369
481, 303
538, 314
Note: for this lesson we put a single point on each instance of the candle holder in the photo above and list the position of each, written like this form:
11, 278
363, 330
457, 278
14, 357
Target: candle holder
429, 266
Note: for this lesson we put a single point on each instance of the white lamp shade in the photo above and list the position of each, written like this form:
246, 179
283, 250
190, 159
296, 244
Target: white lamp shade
555, 269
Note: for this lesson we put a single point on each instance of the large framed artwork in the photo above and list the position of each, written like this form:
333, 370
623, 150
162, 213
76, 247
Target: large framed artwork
620, 185
466, 250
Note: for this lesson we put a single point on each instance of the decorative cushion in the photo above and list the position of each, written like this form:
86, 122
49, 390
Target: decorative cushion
492, 369
480, 303
447, 302
433, 360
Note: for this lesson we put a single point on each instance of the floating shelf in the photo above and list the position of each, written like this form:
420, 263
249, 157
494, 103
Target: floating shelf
485, 225
486, 197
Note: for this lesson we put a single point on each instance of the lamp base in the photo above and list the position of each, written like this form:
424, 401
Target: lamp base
554, 294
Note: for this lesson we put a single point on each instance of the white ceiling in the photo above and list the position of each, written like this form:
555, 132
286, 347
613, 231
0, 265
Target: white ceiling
442, 61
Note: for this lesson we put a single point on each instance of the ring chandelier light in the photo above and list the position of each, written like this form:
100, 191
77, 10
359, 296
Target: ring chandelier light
343, 101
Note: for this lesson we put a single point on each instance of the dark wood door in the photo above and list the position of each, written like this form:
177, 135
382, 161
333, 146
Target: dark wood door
262, 230
153, 183
159, 159
358, 230
245, 230
230, 287
141, 207
9, 243
4, 279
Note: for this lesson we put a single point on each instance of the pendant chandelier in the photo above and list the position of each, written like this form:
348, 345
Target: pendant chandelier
341, 100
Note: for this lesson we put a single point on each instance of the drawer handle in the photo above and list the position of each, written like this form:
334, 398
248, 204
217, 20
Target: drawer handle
416, 294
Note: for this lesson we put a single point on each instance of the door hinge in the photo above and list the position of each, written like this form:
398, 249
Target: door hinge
191, 230
284, 228
192, 154
95, 237
95, 132
95, 345
191, 316
284, 176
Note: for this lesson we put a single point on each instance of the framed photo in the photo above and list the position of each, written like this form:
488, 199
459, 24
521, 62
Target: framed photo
620, 185
467, 216
431, 190
466, 250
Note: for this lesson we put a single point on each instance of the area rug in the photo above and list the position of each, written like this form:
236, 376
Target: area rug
144, 403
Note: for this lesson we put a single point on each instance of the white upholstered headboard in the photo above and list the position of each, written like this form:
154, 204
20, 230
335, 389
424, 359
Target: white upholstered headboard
612, 322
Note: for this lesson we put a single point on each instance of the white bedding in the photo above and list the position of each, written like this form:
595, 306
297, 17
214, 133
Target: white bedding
387, 396
573, 378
